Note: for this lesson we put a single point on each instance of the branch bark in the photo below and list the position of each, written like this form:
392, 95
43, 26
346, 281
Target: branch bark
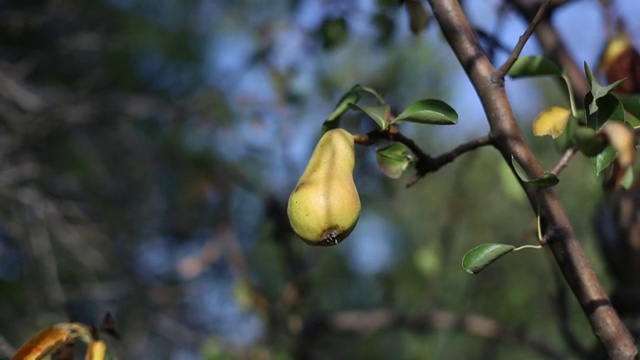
509, 141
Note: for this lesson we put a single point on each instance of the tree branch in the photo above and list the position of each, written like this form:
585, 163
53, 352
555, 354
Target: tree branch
508, 139
564, 161
423, 168
554, 47
424, 164
501, 72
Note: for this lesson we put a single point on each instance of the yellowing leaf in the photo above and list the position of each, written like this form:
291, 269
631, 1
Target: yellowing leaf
51, 339
97, 350
42, 344
551, 122
614, 48
77, 331
622, 140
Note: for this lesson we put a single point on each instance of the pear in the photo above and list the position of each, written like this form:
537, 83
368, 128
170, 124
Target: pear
324, 207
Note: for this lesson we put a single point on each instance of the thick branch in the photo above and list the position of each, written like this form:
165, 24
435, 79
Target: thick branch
508, 139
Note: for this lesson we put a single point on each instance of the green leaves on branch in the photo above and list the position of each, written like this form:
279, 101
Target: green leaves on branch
346, 102
393, 159
606, 115
350, 97
597, 91
529, 66
565, 140
588, 141
603, 133
481, 256
429, 111
601, 161
631, 105
380, 114
547, 180
425, 111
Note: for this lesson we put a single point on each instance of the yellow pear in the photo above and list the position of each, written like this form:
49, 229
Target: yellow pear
324, 207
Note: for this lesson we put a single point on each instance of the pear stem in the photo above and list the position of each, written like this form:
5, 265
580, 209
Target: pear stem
528, 247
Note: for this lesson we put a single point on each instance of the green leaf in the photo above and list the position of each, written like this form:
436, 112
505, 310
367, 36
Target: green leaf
378, 113
510, 184
481, 256
527, 66
632, 120
429, 111
627, 180
350, 97
597, 91
588, 141
631, 104
603, 160
547, 179
607, 107
565, 140
393, 160
373, 93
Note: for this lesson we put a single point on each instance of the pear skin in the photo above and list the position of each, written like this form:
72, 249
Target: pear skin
324, 207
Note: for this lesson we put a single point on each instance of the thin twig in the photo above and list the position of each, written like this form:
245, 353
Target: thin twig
424, 163
501, 72
433, 164
554, 47
564, 161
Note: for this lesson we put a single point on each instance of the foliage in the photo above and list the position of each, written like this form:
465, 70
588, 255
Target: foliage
148, 149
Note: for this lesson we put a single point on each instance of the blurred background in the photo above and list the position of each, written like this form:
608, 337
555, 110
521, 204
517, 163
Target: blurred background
148, 148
